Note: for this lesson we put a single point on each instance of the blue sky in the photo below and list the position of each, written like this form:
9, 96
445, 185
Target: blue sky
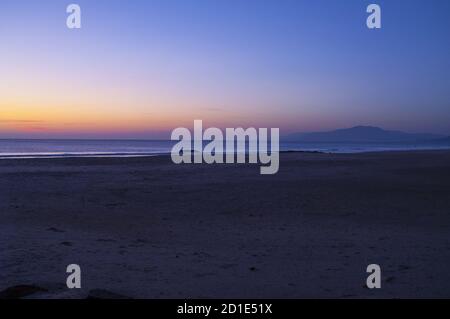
141, 68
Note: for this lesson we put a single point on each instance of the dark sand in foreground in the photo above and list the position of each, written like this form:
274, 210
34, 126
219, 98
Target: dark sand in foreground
144, 227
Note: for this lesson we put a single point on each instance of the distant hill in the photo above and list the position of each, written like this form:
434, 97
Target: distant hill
361, 134
445, 140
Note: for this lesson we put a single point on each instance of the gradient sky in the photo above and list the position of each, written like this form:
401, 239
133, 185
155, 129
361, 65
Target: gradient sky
138, 69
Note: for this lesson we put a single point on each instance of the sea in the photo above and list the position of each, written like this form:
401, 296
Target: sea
48, 148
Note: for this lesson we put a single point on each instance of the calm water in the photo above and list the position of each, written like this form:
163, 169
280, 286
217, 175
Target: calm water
85, 148
69, 148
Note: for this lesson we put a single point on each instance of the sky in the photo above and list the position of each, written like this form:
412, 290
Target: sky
141, 68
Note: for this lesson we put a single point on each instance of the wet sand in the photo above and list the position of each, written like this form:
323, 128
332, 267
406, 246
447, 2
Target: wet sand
147, 228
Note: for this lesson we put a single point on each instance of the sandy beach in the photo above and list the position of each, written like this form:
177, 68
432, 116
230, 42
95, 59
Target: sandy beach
147, 228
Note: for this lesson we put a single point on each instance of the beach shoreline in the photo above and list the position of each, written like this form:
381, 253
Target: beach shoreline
7, 156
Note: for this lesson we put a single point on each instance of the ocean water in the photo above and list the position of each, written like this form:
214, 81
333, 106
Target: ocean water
127, 148
344, 147
82, 148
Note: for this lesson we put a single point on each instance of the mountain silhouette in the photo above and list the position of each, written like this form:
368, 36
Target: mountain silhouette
361, 134
445, 140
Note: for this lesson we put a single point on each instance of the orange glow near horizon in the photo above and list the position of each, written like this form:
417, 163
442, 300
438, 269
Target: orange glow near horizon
143, 70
